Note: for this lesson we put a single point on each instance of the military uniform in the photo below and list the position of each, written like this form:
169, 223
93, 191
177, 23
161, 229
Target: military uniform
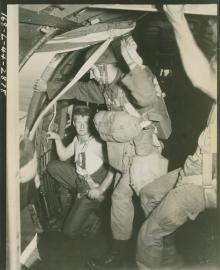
89, 162
194, 192
136, 88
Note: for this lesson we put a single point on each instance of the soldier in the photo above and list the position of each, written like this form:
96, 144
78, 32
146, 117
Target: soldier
90, 175
195, 184
135, 114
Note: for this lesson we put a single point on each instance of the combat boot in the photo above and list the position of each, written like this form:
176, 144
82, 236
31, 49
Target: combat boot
113, 259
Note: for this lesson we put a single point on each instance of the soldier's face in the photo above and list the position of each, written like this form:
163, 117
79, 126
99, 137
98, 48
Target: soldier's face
98, 73
81, 124
103, 73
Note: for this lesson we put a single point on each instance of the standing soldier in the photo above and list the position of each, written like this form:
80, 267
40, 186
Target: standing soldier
135, 119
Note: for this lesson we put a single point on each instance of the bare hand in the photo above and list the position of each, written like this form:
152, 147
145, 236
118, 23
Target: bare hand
40, 85
95, 194
52, 136
174, 13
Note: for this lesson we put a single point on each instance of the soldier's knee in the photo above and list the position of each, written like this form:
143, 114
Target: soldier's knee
70, 232
52, 167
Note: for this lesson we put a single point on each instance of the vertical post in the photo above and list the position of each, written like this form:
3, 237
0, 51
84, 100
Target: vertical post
12, 146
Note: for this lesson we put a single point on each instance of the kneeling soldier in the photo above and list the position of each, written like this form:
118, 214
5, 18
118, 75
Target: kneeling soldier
90, 175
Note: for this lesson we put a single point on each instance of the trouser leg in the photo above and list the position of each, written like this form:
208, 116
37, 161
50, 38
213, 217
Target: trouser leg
122, 209
152, 193
122, 214
78, 215
63, 172
180, 204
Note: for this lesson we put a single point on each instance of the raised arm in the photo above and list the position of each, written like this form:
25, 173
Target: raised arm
84, 91
194, 61
139, 81
63, 152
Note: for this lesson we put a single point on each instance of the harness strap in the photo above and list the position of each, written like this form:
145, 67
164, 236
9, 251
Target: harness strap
191, 179
209, 184
207, 169
86, 176
207, 151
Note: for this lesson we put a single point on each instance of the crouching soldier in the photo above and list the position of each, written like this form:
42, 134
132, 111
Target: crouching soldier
184, 193
135, 119
90, 175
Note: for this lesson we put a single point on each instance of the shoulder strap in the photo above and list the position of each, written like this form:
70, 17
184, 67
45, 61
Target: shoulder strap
207, 169
207, 153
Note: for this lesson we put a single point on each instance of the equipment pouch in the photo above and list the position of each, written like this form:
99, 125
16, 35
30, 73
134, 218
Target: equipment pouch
117, 126
120, 155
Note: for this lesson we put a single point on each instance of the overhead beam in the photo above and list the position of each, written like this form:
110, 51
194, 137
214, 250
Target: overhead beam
36, 8
39, 18
201, 9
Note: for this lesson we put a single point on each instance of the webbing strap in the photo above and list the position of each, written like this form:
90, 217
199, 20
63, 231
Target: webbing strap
207, 169
191, 179
209, 184
207, 151
87, 177
86, 66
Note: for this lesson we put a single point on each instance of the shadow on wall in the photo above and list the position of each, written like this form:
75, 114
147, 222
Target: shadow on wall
189, 109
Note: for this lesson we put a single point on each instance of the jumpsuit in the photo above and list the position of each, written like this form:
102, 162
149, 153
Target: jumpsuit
180, 196
137, 87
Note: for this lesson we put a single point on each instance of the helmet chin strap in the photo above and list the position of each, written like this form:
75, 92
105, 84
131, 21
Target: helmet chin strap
103, 74
106, 74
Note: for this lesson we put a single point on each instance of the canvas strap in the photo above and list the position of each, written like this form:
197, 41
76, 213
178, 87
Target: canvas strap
209, 184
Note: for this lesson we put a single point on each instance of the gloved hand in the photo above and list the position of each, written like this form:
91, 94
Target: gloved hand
129, 52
